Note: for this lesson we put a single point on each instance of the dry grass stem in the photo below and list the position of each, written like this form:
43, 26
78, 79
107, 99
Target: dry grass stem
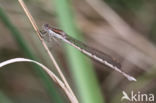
69, 91
50, 73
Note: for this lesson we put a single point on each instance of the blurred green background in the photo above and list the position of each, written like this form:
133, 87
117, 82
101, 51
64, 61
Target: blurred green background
91, 81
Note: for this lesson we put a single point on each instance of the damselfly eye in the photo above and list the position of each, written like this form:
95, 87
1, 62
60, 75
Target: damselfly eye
45, 26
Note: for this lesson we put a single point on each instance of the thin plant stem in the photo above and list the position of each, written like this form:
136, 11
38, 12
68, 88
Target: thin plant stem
49, 53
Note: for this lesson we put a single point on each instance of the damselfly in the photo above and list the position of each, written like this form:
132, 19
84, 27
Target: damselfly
93, 53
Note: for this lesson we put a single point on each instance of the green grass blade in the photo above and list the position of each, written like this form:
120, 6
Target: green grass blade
81, 68
4, 98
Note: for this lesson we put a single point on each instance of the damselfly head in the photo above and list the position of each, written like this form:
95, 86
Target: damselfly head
46, 27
